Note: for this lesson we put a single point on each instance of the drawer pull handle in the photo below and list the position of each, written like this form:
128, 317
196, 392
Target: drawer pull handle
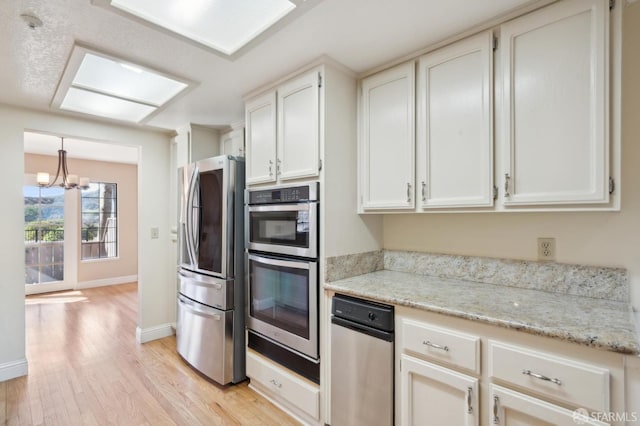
496, 419
275, 383
469, 407
541, 377
433, 345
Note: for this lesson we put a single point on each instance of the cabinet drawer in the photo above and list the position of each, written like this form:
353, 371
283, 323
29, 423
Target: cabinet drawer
563, 379
441, 344
284, 385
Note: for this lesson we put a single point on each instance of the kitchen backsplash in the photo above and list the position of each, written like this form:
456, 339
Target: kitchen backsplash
579, 280
351, 265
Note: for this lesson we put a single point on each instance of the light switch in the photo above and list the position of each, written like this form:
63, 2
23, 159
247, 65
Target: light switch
155, 233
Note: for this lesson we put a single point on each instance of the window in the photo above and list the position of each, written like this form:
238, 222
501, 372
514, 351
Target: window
99, 221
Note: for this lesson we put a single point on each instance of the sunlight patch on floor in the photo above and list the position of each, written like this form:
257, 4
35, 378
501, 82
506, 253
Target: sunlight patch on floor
66, 297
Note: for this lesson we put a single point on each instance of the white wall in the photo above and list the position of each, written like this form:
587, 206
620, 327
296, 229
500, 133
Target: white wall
343, 230
156, 271
605, 239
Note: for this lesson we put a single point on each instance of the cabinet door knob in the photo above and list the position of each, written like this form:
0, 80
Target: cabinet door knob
408, 192
469, 406
270, 168
496, 420
424, 191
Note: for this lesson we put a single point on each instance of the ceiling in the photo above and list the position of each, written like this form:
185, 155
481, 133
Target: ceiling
44, 144
360, 34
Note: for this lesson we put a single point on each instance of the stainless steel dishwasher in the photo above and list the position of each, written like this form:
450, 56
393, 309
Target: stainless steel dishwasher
361, 362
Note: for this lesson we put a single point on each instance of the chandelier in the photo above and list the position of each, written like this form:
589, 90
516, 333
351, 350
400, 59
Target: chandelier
68, 181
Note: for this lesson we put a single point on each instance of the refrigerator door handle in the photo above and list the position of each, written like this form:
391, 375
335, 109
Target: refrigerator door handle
196, 212
193, 277
191, 217
199, 309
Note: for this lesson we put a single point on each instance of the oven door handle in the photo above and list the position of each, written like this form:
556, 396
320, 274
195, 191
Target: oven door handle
281, 208
286, 263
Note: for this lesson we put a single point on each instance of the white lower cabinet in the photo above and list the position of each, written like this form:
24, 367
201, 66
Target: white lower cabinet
292, 393
434, 395
457, 372
510, 408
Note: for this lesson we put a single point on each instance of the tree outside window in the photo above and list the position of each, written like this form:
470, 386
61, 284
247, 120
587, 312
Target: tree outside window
99, 221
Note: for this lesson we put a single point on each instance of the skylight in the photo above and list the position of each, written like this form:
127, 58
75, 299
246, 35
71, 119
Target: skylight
100, 85
224, 25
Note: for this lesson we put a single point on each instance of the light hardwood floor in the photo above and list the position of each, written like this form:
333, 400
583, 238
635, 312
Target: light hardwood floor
85, 368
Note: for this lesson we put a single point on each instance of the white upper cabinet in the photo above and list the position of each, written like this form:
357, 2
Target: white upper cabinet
232, 142
283, 136
298, 127
386, 148
455, 125
556, 144
555, 88
260, 116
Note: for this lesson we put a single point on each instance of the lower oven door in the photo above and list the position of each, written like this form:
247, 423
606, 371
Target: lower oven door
283, 301
204, 338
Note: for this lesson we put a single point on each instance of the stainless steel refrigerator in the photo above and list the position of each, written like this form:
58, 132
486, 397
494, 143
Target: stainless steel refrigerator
210, 320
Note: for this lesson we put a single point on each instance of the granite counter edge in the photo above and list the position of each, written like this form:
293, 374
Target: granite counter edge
627, 348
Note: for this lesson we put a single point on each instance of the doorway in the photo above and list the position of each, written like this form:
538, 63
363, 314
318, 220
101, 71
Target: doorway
43, 234
46, 211
80, 238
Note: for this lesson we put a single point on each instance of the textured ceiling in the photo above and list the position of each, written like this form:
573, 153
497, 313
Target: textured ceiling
361, 34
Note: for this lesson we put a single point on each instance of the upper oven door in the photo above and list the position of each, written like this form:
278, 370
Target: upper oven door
284, 228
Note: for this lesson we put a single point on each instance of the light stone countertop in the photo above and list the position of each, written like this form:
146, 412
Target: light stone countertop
588, 321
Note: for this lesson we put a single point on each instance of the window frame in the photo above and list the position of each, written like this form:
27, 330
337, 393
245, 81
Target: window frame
115, 214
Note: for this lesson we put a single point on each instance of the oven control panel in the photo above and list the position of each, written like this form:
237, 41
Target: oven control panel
284, 194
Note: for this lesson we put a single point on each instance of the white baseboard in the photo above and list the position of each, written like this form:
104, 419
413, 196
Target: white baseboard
11, 370
154, 333
107, 281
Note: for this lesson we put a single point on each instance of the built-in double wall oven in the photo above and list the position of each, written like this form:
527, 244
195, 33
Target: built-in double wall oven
282, 270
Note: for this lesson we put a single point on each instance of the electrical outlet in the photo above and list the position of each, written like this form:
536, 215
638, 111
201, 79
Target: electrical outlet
546, 248
155, 233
